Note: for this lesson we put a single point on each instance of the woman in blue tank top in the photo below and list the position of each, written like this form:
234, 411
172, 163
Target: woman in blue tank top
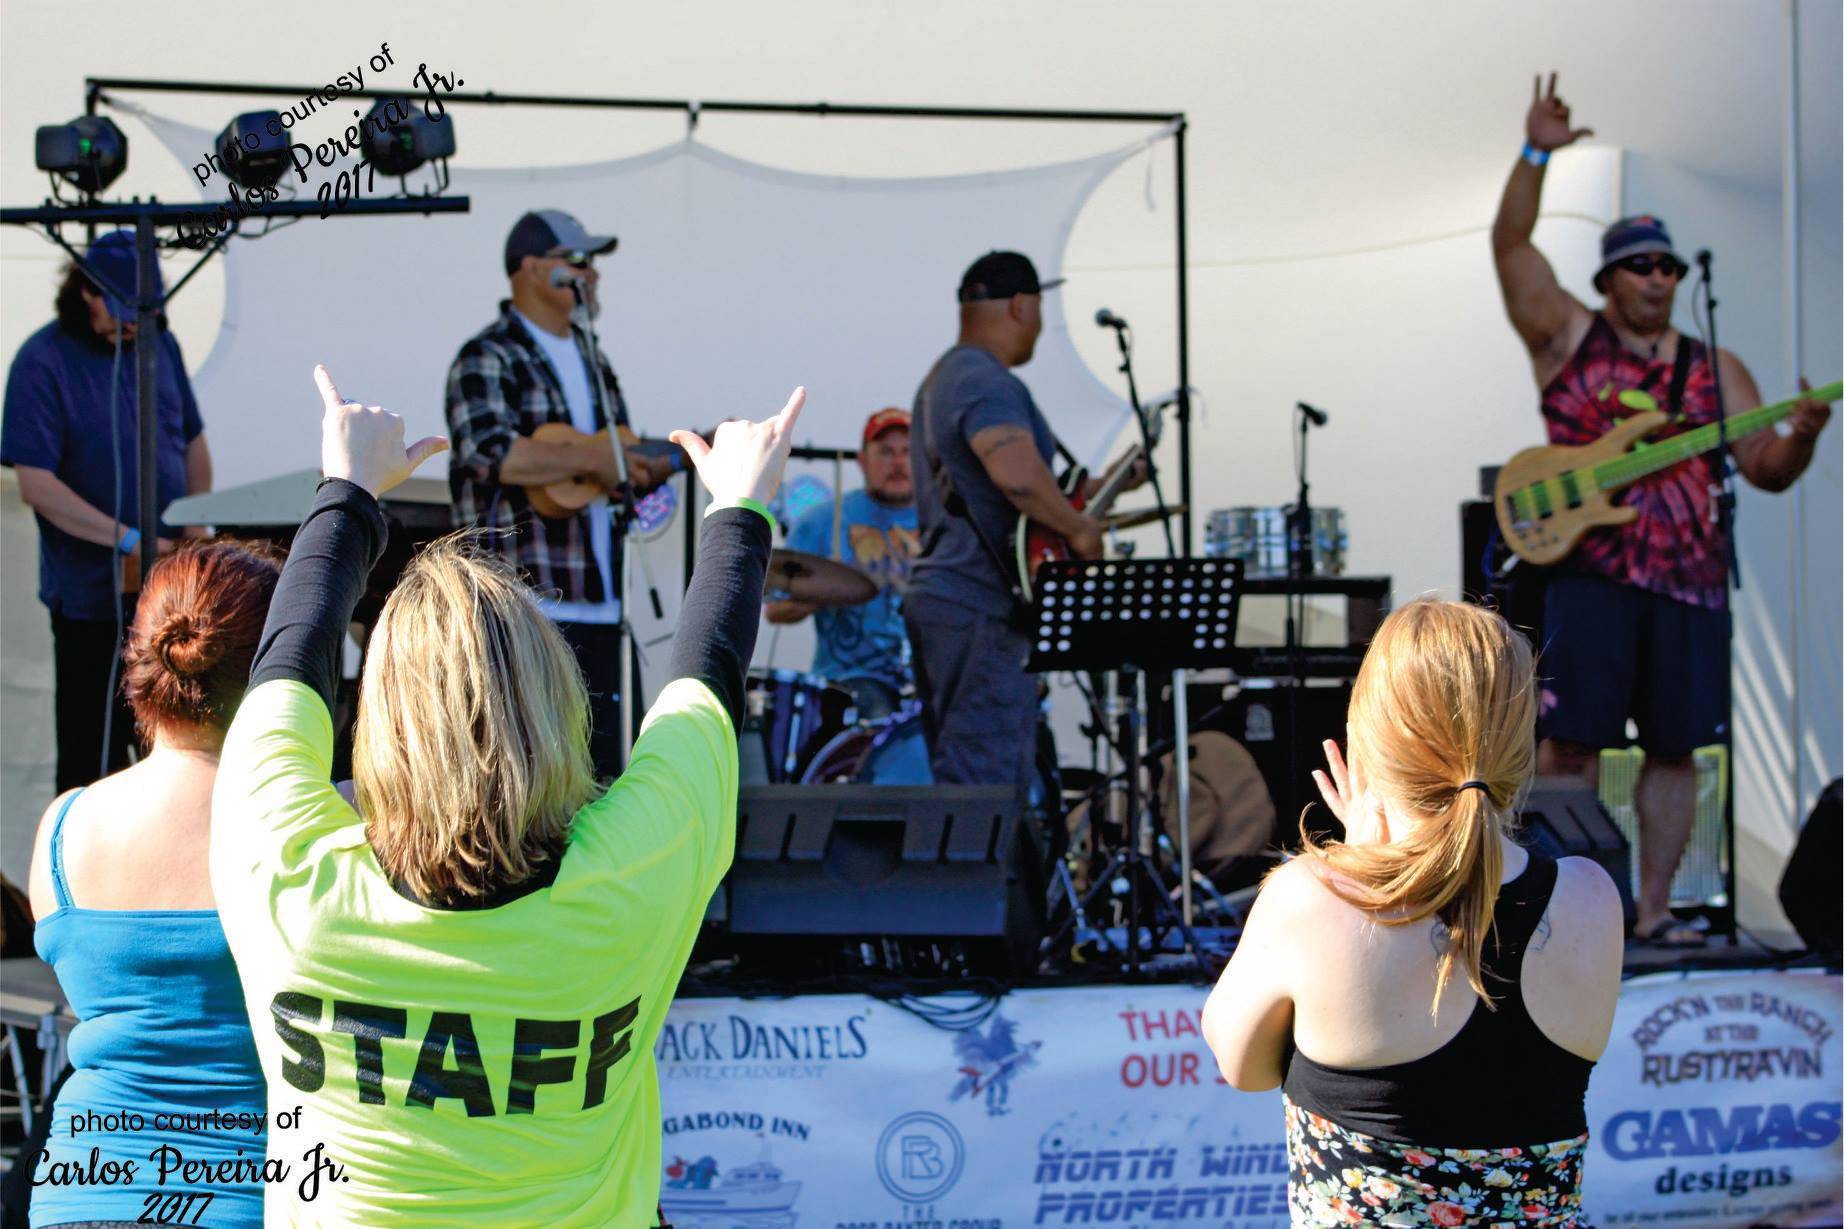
162, 1118
1429, 994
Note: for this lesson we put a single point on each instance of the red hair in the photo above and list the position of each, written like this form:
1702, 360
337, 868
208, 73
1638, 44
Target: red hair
196, 626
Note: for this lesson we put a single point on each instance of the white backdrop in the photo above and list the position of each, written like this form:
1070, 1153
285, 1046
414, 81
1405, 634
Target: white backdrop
733, 283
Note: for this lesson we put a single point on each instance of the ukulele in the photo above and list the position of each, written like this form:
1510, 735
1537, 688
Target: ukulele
568, 496
1547, 497
1034, 543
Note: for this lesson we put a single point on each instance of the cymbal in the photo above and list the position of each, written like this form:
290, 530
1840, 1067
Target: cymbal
824, 582
1139, 516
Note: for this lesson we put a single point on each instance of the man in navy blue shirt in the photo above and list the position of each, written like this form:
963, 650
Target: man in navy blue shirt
863, 648
70, 432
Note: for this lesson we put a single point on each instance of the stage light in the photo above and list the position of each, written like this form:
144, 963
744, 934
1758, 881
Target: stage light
253, 150
89, 153
399, 137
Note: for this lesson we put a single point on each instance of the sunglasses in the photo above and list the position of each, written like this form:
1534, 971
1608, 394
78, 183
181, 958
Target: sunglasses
1644, 264
576, 260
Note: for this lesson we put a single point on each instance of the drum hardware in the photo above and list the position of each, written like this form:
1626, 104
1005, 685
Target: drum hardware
1258, 536
1126, 618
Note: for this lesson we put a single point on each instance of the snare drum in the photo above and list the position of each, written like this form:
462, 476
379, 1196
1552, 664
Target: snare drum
789, 716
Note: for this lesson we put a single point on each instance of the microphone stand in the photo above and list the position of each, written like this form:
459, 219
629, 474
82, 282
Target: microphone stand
1725, 522
1139, 416
621, 516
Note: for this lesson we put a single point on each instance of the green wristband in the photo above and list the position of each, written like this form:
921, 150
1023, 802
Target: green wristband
754, 505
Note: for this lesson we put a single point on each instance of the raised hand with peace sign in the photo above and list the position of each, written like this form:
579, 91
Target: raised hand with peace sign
1546, 126
364, 443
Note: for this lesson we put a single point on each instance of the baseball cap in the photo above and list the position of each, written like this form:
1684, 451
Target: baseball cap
1000, 275
1634, 236
890, 418
545, 230
113, 257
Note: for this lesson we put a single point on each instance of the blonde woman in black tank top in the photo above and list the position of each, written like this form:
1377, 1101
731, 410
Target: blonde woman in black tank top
1430, 994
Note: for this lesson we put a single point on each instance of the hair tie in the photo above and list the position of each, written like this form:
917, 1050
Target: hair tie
1478, 785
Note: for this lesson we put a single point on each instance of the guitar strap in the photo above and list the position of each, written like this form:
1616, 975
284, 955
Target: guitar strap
1680, 375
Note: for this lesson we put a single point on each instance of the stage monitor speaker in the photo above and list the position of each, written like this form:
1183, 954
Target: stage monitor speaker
1564, 819
927, 861
1809, 889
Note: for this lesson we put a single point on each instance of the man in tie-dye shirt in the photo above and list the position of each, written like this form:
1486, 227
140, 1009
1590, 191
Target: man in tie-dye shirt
1636, 621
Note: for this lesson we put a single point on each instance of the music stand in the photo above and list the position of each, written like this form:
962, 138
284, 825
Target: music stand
1131, 616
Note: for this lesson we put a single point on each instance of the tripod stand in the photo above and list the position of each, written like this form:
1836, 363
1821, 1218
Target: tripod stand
1129, 617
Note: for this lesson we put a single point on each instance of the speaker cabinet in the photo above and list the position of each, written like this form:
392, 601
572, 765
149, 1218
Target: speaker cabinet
933, 861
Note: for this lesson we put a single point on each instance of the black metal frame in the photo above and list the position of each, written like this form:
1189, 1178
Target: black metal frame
693, 108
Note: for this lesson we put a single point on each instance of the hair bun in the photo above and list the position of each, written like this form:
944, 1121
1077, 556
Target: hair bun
183, 647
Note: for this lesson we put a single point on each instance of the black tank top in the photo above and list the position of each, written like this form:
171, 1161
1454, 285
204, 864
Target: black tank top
1499, 1083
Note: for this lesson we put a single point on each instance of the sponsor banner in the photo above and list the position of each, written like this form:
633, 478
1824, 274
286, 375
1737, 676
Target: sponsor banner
1102, 1105
1086, 1105
1717, 1103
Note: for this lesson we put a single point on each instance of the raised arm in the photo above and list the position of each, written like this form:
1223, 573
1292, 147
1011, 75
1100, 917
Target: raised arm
1540, 309
362, 456
741, 467
1009, 455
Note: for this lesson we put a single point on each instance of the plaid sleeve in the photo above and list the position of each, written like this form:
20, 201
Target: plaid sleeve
482, 420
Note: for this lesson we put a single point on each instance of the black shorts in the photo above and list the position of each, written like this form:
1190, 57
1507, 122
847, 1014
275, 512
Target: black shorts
1614, 651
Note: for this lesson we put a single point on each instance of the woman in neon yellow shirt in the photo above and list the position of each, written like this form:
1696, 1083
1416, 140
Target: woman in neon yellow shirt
455, 987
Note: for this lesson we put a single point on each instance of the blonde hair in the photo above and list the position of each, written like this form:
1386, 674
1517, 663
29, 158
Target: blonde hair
470, 753
1445, 696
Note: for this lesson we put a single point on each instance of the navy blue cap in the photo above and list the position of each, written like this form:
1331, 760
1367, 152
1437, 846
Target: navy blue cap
1635, 236
113, 258
543, 231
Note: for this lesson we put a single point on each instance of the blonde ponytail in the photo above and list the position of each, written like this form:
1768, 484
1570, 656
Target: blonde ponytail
1443, 724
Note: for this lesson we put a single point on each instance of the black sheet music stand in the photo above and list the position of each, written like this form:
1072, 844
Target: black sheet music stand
1132, 616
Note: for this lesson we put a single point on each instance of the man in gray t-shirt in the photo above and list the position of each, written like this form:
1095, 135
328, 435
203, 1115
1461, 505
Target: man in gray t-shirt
976, 426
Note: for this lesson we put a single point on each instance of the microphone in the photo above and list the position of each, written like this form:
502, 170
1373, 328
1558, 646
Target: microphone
1317, 418
1703, 260
1108, 320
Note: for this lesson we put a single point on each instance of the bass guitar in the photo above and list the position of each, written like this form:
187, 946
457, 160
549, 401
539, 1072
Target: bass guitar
1034, 543
1547, 497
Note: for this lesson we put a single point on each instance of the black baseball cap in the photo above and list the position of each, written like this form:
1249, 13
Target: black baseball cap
545, 230
1000, 275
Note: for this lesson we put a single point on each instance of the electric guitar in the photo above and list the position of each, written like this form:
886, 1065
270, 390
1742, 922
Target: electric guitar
1034, 543
1547, 497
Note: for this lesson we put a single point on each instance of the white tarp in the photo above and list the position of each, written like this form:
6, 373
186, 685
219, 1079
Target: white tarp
733, 282
1716, 1104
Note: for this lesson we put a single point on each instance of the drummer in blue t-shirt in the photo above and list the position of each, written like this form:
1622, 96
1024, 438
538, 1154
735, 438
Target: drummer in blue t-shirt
864, 648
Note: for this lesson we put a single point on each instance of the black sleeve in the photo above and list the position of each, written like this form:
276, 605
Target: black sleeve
322, 581
717, 624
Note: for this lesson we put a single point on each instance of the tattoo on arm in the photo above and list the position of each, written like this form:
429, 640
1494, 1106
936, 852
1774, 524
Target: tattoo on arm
1541, 935
1001, 437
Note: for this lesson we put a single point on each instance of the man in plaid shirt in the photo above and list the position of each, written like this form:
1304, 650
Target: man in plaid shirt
534, 365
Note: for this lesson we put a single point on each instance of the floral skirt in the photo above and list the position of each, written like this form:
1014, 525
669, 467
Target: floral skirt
1339, 1177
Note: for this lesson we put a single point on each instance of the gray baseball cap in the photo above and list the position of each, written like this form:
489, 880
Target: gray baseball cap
545, 230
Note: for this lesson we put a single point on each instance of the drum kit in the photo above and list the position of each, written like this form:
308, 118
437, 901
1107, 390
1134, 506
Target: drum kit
804, 729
